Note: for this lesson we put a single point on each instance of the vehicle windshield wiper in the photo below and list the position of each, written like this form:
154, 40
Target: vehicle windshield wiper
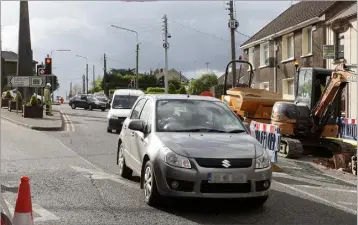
236, 131
201, 130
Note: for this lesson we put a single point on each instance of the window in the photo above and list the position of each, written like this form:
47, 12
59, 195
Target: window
339, 46
178, 115
265, 85
138, 108
264, 53
123, 101
288, 89
307, 41
146, 115
287, 47
251, 58
304, 93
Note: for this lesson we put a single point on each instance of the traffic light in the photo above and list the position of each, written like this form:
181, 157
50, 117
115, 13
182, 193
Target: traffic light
40, 66
48, 66
161, 81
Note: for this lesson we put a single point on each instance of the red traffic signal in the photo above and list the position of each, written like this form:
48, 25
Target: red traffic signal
48, 66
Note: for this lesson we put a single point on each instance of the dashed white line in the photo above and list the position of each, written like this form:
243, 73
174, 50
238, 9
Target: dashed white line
328, 189
318, 198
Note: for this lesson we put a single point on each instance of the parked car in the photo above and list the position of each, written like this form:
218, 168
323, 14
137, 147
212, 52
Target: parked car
122, 102
103, 98
192, 146
86, 102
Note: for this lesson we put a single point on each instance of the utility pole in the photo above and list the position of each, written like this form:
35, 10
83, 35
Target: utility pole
104, 84
166, 46
83, 84
94, 79
87, 77
70, 90
207, 66
136, 67
233, 25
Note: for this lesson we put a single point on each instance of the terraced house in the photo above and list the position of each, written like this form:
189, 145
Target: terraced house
298, 34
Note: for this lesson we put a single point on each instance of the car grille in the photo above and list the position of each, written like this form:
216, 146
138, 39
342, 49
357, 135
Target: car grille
218, 163
207, 187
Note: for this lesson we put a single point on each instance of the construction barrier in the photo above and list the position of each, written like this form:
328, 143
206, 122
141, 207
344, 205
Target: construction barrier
348, 128
268, 135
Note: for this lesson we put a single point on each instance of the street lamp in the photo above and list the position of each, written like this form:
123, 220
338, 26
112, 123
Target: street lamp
137, 50
53, 85
80, 56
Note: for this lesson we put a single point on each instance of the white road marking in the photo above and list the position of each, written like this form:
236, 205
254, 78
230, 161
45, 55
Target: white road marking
348, 203
291, 167
44, 215
327, 189
100, 175
318, 198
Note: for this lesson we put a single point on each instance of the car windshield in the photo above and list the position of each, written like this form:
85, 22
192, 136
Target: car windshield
185, 115
123, 101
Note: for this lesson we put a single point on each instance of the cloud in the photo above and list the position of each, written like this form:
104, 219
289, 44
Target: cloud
84, 27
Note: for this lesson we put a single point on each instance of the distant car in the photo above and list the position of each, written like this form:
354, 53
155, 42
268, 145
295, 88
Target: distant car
103, 98
86, 102
122, 102
192, 146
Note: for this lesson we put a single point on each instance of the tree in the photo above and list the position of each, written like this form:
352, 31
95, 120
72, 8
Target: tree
172, 89
175, 82
182, 90
204, 83
97, 85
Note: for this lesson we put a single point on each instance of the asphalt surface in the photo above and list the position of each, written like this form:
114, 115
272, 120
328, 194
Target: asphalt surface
74, 181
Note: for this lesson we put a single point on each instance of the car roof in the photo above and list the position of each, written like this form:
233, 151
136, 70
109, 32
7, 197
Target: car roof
128, 92
181, 96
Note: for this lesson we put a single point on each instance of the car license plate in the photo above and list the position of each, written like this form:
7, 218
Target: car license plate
226, 178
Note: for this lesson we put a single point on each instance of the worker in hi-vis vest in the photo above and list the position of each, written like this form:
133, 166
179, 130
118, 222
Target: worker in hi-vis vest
48, 102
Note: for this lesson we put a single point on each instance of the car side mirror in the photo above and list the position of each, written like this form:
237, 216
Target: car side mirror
137, 125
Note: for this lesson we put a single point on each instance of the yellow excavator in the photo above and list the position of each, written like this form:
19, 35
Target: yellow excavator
307, 123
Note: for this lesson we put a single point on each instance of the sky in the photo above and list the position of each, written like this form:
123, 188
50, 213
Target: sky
199, 34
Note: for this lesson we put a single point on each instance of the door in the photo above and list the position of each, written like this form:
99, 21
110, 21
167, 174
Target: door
82, 103
128, 135
140, 140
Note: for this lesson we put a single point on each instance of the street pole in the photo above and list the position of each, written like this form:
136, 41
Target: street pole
137, 65
94, 78
83, 84
233, 24
70, 90
166, 46
207, 66
87, 78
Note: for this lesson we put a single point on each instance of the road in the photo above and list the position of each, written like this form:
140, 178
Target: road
74, 181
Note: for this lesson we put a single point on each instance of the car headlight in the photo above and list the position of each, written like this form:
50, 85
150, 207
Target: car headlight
174, 159
262, 158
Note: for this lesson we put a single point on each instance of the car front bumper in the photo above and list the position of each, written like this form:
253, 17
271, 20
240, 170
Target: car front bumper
194, 182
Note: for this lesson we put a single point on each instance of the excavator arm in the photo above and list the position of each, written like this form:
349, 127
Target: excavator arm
339, 78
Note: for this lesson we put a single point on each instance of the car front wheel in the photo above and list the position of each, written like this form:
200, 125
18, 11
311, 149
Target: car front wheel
73, 106
151, 194
124, 171
103, 109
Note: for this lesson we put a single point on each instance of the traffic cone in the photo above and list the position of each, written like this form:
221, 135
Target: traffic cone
23, 207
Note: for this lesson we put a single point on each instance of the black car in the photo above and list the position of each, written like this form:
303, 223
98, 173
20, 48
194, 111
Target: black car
103, 98
87, 102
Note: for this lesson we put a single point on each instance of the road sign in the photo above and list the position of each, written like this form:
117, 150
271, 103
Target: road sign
329, 52
18, 81
37, 82
41, 71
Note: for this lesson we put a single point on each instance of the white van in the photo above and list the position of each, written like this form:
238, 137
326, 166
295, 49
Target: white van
121, 105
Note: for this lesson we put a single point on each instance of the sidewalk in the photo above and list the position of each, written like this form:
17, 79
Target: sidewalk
48, 123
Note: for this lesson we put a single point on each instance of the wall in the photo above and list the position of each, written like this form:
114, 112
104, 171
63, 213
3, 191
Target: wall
286, 69
350, 54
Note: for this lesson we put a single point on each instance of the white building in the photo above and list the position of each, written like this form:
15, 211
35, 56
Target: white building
345, 41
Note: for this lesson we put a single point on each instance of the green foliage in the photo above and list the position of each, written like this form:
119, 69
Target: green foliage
175, 82
218, 89
172, 89
203, 83
18, 97
8, 95
155, 90
33, 101
182, 90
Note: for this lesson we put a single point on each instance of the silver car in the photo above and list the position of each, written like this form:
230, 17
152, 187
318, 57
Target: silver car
192, 146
